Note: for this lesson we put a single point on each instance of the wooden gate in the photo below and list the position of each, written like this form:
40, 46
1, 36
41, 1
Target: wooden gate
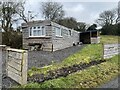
16, 67
111, 50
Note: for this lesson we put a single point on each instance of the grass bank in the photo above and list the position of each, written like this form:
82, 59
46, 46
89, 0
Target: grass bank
91, 77
89, 53
109, 39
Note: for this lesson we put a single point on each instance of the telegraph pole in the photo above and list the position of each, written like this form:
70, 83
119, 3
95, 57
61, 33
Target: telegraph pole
29, 15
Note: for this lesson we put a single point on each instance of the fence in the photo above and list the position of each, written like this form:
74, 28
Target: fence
1, 47
16, 67
0, 67
111, 50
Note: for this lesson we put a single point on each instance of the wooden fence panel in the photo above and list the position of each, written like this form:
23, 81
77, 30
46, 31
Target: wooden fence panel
111, 50
17, 65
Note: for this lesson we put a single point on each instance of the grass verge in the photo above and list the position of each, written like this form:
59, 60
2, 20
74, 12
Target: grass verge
89, 53
91, 77
109, 39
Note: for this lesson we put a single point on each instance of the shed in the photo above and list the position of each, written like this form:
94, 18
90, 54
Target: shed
90, 37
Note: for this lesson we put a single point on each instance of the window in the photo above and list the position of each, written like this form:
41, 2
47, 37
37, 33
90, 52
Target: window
65, 32
30, 31
37, 31
58, 31
69, 32
38, 27
34, 27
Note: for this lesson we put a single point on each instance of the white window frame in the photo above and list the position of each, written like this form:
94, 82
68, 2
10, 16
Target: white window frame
36, 29
60, 34
69, 32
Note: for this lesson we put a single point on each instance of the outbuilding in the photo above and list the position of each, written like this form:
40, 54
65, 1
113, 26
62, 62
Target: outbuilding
90, 37
48, 36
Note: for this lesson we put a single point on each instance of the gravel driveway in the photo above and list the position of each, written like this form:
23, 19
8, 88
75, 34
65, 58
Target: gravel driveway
42, 58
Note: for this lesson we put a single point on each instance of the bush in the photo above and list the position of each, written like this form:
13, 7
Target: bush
12, 39
111, 29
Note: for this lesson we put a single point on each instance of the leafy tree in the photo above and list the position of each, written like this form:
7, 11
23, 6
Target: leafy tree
15, 39
69, 22
52, 11
81, 26
72, 23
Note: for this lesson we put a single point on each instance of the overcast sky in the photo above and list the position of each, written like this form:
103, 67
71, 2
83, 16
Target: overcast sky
86, 12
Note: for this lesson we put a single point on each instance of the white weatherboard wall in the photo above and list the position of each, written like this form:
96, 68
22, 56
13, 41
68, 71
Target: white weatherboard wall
17, 65
111, 50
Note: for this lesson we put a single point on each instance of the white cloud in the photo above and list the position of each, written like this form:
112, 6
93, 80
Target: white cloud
74, 0
83, 11
75, 10
78, 8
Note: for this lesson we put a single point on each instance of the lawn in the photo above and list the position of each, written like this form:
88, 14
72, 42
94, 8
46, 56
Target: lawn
87, 54
107, 39
91, 77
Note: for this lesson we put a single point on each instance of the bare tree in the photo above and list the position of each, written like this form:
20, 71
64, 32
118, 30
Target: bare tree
52, 10
7, 12
118, 13
23, 15
12, 12
106, 18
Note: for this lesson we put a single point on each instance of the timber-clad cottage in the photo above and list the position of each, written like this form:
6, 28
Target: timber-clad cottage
48, 36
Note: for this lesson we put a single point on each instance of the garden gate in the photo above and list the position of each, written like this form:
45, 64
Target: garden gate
111, 50
16, 65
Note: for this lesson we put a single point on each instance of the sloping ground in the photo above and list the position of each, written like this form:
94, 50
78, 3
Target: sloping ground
114, 83
91, 77
62, 72
109, 39
39, 59
43, 58
89, 53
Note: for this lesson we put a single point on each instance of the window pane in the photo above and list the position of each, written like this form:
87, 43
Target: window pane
34, 27
34, 33
39, 32
70, 32
57, 31
43, 31
38, 27
30, 32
